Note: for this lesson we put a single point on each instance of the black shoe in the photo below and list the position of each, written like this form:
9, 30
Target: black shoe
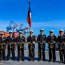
50, 60
8, 58
64, 62
43, 60
22, 59
32, 59
61, 61
29, 59
0, 59
54, 61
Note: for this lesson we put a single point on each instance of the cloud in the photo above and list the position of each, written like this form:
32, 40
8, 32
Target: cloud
49, 24
4, 1
36, 24
4, 24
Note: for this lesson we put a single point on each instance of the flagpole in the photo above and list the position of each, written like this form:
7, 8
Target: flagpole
29, 3
29, 9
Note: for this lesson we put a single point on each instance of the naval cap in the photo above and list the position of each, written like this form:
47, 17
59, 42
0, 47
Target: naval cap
10, 32
51, 31
61, 30
20, 32
42, 30
31, 31
2, 33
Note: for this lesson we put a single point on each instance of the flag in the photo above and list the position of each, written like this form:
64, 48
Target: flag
29, 17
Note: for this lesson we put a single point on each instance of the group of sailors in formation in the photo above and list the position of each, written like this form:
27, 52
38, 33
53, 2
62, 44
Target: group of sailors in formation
11, 43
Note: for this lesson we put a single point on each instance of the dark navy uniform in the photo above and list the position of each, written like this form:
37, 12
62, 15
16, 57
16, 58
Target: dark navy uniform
64, 49
15, 48
2, 48
31, 46
51, 42
21, 41
61, 46
41, 46
11, 48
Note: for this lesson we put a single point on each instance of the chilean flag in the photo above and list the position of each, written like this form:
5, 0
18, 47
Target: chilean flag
29, 17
